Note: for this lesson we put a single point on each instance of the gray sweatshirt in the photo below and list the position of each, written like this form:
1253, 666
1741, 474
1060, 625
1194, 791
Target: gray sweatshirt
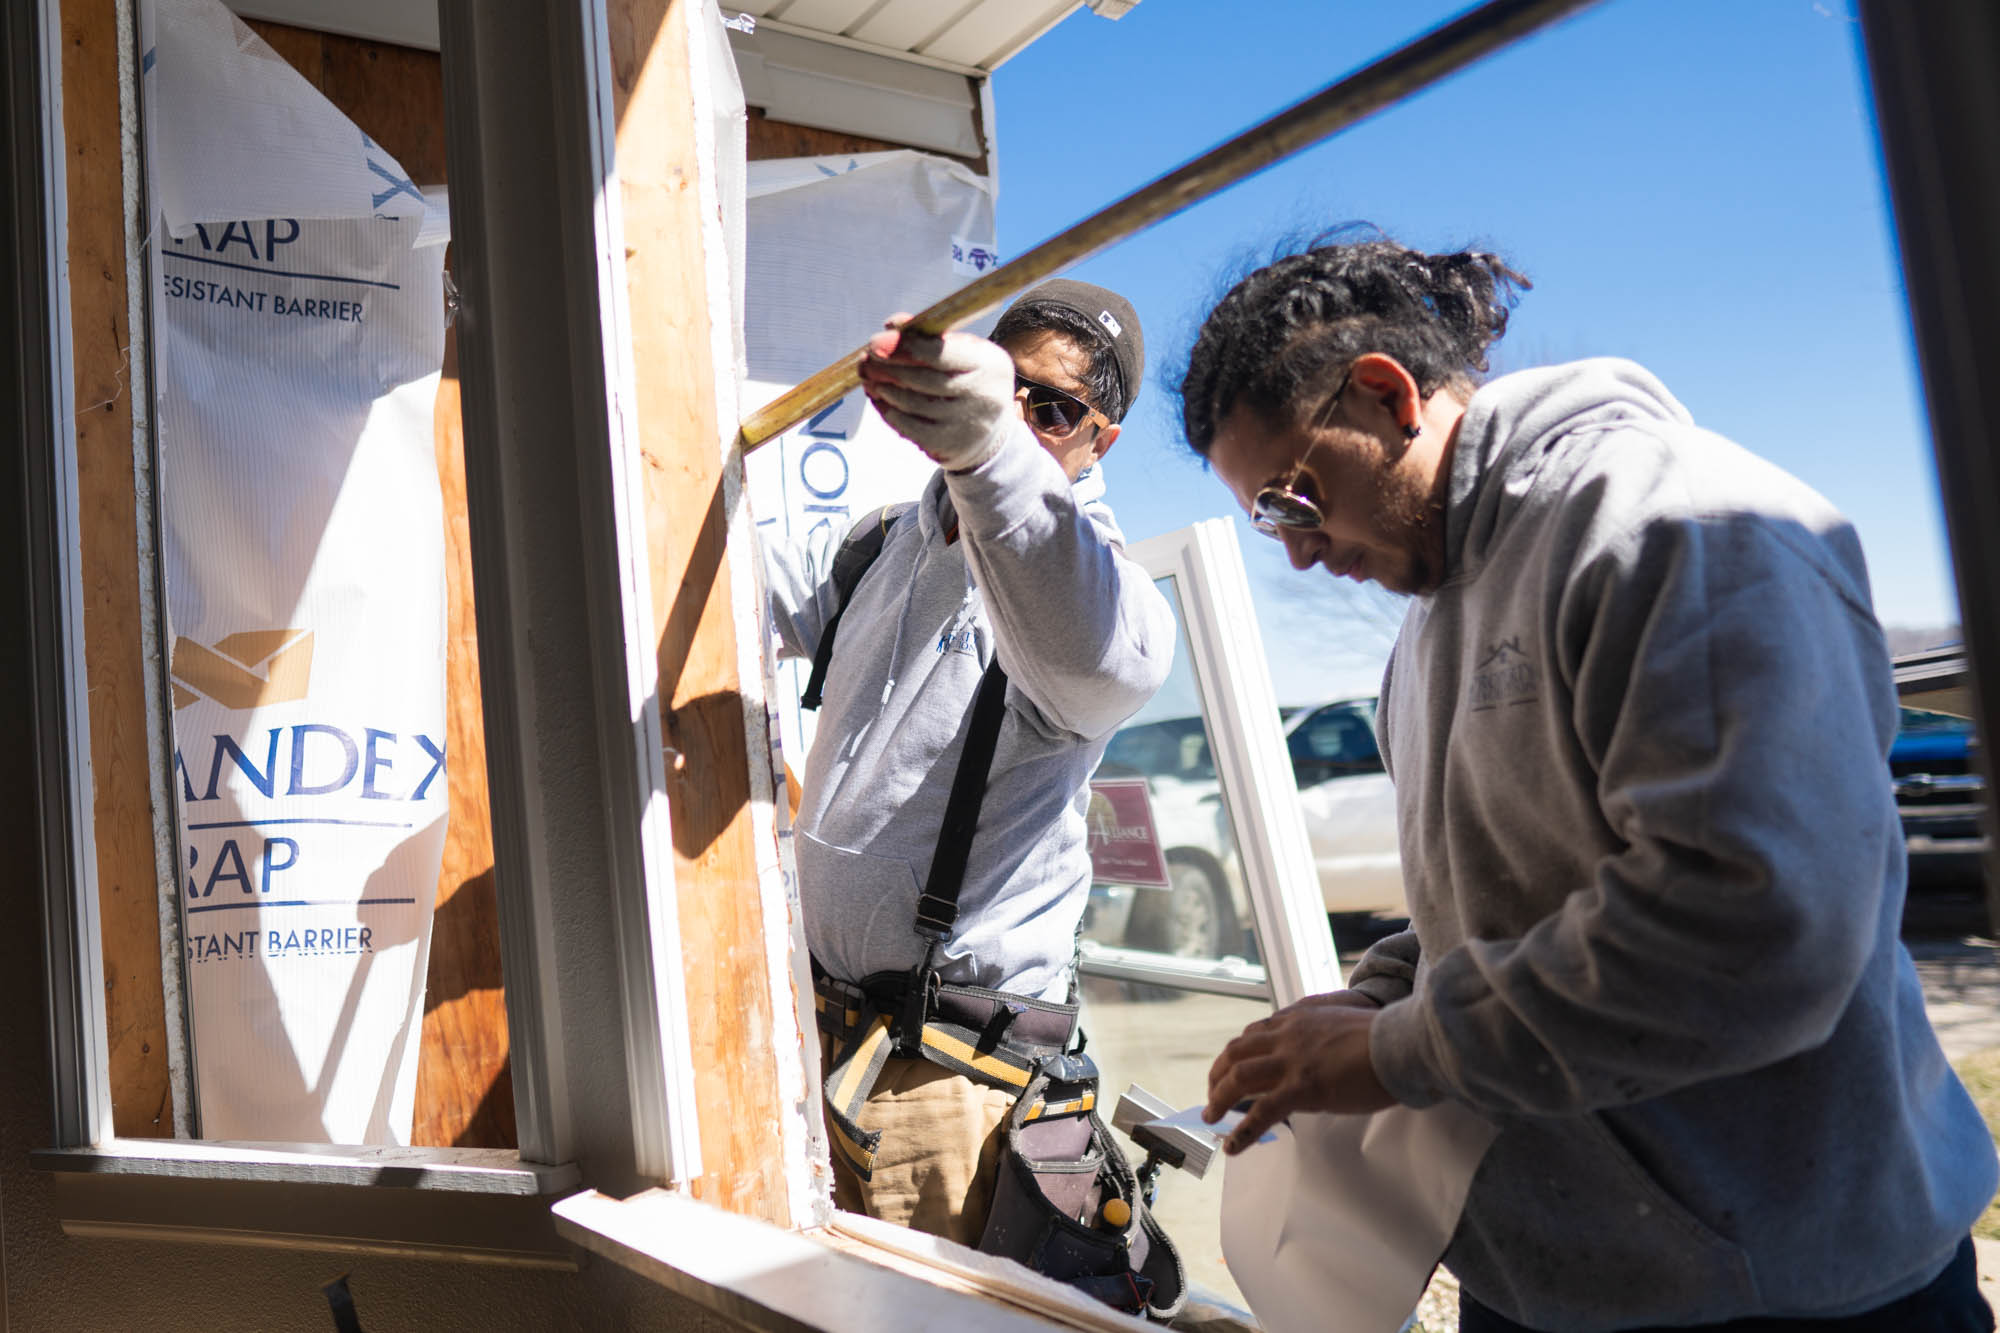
1655, 875
1037, 575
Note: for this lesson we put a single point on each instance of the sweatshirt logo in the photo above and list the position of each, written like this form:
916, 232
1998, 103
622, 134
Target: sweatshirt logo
1505, 675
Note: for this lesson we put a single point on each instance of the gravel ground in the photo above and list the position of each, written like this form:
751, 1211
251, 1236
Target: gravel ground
1438, 1310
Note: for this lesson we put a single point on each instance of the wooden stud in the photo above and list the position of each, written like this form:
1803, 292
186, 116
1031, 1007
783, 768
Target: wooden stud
729, 1001
121, 803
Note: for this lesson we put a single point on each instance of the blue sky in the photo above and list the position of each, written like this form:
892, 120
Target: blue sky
1691, 183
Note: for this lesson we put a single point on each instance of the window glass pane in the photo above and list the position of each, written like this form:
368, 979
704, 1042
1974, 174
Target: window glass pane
1169, 888
1164, 1040
1168, 877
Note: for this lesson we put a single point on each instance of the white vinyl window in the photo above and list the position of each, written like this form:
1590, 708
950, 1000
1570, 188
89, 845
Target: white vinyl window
1205, 913
1232, 905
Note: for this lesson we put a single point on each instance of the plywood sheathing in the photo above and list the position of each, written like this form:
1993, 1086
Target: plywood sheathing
770, 138
465, 1087
716, 866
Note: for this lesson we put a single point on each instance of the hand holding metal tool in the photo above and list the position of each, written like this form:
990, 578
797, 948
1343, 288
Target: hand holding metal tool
1165, 1135
1308, 1056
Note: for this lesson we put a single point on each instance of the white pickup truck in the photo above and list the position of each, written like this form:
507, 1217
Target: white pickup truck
1202, 910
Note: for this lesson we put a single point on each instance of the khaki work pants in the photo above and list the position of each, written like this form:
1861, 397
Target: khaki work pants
940, 1149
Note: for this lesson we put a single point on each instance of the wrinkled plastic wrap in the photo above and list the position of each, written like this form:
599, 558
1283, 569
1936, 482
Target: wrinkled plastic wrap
299, 330
835, 246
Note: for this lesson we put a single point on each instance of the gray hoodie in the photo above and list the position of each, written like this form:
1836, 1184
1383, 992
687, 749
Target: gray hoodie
1639, 738
1038, 574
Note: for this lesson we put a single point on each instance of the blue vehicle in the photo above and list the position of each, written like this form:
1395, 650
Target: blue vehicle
1941, 796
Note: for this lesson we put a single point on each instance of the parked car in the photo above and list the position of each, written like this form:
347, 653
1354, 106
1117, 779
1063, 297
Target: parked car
1349, 806
1941, 797
1350, 817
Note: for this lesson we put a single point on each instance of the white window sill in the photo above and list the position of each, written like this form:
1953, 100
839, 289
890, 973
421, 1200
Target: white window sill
856, 1275
471, 1170
470, 1205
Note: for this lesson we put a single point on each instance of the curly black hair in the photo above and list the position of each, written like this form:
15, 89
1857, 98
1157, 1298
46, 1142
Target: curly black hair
1282, 335
1103, 386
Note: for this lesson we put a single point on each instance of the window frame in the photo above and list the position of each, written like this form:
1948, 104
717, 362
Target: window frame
558, 543
77, 1043
1254, 772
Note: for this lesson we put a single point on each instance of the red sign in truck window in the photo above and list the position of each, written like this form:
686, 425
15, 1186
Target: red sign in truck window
1124, 844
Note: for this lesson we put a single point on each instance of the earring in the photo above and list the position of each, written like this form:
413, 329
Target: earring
1411, 431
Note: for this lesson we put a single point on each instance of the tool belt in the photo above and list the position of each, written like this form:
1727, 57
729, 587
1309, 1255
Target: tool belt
1066, 1204
989, 1036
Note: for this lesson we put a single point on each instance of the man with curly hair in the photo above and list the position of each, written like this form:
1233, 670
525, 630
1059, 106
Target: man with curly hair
1638, 719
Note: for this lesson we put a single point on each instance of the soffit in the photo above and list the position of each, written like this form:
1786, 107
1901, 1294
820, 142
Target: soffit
969, 36
885, 69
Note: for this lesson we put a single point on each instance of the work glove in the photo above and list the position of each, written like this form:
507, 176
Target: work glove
952, 397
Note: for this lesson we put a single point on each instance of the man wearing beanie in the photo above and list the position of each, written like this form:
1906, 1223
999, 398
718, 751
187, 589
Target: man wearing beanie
1009, 558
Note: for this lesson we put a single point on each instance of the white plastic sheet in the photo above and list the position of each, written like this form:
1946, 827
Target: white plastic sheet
835, 245
299, 330
1337, 1221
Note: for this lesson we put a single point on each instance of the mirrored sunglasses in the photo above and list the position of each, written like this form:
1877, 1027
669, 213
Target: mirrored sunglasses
1053, 412
1278, 506
1282, 505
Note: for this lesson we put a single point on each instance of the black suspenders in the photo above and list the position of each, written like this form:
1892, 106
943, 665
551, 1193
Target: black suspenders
937, 908
994, 1037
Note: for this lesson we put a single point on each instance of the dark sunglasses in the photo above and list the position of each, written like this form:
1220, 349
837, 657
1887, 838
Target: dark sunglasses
1281, 504
1053, 412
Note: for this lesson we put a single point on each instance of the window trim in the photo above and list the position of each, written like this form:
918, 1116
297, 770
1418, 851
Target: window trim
78, 1046
546, 719
833, 1279
458, 1170
1933, 135
1251, 763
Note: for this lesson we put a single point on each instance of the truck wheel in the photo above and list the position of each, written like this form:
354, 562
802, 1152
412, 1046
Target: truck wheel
1193, 919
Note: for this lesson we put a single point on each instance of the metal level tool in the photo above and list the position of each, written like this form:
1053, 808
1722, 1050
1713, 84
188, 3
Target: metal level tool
1145, 1119
1442, 51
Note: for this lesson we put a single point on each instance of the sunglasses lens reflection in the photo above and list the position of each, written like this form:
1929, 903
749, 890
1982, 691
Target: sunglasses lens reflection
1056, 415
1050, 410
1278, 507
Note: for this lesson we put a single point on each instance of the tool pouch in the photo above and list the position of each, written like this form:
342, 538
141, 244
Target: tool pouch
1067, 1204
